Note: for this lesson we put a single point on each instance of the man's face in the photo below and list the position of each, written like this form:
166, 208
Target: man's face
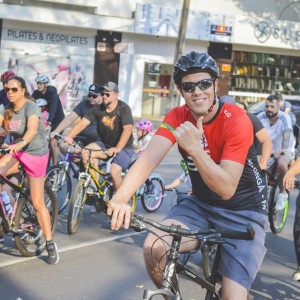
271, 108
109, 98
41, 86
198, 100
95, 99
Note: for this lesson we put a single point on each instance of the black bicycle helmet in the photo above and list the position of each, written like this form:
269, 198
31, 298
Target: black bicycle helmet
194, 62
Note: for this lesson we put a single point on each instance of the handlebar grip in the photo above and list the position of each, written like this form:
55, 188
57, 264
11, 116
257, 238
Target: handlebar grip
239, 235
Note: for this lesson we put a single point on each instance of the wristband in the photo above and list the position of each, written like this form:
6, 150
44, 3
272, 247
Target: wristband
24, 142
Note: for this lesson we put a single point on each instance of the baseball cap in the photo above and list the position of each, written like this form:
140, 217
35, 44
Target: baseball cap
110, 87
95, 89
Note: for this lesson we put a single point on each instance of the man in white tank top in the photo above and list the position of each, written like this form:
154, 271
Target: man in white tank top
280, 129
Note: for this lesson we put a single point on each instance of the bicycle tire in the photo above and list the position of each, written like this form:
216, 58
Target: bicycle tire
32, 242
152, 202
62, 190
277, 218
76, 206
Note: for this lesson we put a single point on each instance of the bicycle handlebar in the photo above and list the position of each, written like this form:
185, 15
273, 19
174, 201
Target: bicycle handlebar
60, 137
138, 223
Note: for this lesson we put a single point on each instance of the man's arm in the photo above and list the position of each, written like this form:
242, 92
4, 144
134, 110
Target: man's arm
266, 142
127, 131
286, 134
137, 174
83, 123
221, 178
66, 122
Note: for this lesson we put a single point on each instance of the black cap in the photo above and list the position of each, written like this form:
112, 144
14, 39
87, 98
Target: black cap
95, 89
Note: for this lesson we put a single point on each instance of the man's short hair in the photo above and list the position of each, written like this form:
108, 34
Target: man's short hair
272, 98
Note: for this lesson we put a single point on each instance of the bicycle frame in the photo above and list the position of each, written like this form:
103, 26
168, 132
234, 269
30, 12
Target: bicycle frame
170, 287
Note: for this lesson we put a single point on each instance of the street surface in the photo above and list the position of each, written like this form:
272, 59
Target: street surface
96, 263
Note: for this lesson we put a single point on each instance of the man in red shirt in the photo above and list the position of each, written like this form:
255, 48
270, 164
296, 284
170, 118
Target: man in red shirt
228, 187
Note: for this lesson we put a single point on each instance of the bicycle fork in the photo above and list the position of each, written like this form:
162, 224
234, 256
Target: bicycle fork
169, 286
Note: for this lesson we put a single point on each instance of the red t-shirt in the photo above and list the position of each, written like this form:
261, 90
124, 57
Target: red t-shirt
228, 136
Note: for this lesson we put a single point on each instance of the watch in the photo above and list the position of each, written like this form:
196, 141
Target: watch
24, 142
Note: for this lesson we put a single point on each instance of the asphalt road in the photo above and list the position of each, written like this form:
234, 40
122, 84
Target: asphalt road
96, 263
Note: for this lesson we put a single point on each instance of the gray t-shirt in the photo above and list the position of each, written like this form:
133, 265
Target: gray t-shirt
18, 126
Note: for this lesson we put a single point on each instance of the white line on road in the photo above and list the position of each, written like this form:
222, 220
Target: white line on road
69, 248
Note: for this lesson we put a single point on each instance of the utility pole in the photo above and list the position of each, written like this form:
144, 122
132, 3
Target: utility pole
173, 95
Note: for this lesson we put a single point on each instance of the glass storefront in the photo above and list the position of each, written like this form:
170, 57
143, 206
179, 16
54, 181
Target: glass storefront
156, 85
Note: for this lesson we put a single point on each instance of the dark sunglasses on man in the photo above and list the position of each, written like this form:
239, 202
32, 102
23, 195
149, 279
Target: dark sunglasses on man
93, 96
204, 84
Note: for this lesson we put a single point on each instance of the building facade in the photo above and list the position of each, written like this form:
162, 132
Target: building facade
256, 45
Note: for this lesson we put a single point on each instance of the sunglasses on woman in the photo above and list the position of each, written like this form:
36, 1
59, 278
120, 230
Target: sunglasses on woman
13, 89
204, 84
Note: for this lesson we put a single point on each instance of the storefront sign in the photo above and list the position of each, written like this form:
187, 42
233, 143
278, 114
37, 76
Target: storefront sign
44, 37
67, 59
271, 33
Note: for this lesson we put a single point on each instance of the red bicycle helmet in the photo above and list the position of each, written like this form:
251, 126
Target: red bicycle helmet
7, 75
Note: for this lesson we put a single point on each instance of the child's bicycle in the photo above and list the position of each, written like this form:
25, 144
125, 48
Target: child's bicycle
23, 222
210, 281
152, 193
99, 198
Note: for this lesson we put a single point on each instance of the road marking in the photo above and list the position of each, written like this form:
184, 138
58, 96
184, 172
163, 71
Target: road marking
69, 248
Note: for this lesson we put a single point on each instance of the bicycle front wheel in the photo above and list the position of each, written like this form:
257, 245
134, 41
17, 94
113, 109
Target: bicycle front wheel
76, 206
277, 218
61, 184
28, 235
152, 202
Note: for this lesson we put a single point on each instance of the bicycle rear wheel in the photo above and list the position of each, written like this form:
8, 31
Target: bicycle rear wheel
61, 184
28, 235
152, 202
76, 206
277, 218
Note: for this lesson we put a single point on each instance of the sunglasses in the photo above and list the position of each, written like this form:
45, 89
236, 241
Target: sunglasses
105, 94
13, 89
92, 96
40, 83
204, 84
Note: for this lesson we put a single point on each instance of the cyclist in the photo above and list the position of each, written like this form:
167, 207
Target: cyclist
279, 127
286, 107
3, 97
114, 127
89, 134
144, 128
229, 190
56, 113
42, 104
262, 140
23, 121
184, 177
288, 183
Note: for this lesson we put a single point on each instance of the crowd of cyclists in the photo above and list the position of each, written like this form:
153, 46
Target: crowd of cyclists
224, 151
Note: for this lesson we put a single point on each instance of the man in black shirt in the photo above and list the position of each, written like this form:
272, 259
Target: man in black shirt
114, 126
